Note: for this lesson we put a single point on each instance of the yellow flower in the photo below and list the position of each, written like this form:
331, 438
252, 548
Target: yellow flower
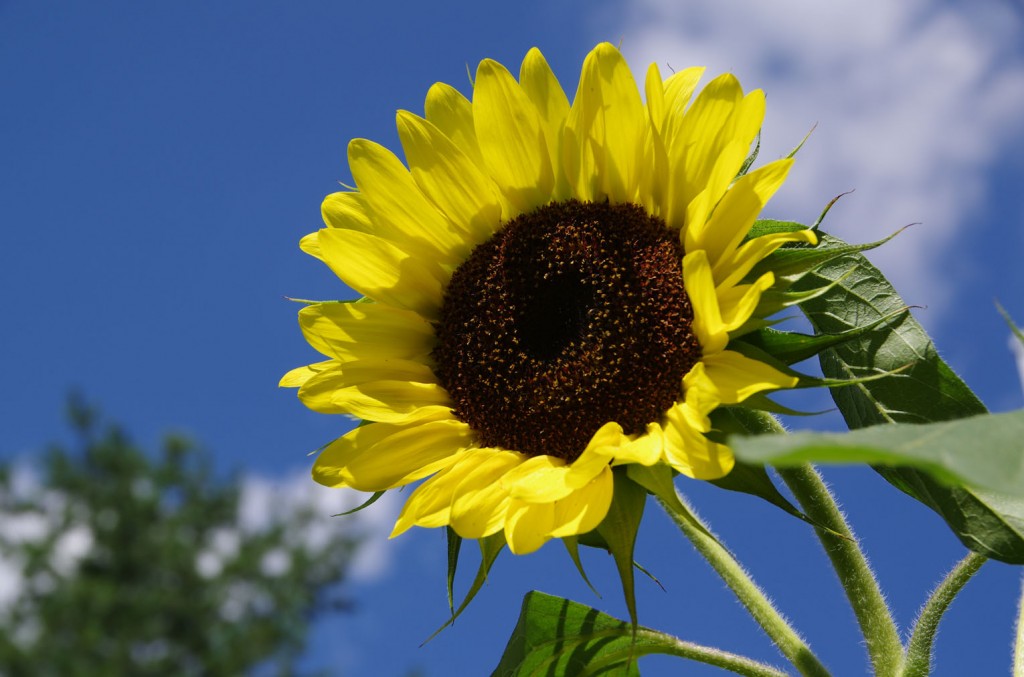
549, 293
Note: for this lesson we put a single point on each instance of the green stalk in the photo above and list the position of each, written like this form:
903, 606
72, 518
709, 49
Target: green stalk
662, 643
1018, 646
919, 648
739, 581
855, 575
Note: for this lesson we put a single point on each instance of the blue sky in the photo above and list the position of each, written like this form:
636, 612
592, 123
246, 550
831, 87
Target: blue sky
159, 163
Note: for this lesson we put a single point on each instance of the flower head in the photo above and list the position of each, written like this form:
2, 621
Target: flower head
550, 291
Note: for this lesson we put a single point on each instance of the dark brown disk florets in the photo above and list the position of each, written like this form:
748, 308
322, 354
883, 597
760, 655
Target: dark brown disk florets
568, 317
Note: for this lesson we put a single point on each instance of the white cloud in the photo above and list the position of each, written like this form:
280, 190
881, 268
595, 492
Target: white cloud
914, 103
263, 501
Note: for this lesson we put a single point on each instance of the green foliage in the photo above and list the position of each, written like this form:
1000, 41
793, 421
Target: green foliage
947, 450
146, 591
558, 637
927, 391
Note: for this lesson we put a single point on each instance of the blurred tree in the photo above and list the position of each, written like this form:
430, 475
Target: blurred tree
118, 563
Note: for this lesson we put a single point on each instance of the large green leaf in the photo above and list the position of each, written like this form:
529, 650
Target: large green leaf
558, 637
948, 450
927, 391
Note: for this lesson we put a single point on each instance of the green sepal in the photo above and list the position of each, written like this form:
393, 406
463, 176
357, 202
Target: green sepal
753, 479
454, 542
780, 296
592, 539
800, 145
310, 302
771, 227
798, 259
792, 347
619, 529
805, 381
828, 207
761, 402
1018, 334
572, 546
490, 548
370, 501
657, 481
748, 163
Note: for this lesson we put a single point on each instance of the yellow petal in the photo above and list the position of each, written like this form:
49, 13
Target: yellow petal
296, 377
356, 331
399, 210
739, 208
392, 391
346, 210
654, 170
689, 452
451, 181
430, 505
738, 304
700, 287
735, 265
311, 245
542, 88
548, 478
582, 510
654, 89
381, 456
511, 138
726, 165
539, 479
645, 449
605, 130
678, 89
448, 110
480, 501
737, 377
528, 526
381, 270
694, 144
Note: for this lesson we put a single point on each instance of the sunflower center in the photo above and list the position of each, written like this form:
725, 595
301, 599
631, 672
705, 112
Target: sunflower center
569, 317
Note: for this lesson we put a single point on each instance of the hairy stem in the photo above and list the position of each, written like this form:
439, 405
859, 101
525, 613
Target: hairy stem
855, 575
919, 649
746, 590
662, 643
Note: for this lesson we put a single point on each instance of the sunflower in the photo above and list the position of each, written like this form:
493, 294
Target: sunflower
549, 293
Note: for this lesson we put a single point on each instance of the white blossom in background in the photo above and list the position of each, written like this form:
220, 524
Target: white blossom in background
914, 101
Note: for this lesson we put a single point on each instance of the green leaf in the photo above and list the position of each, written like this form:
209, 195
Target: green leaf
454, 542
619, 529
572, 546
556, 637
366, 504
490, 548
928, 391
948, 450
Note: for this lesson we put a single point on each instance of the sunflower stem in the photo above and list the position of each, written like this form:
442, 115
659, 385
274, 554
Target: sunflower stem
743, 586
848, 560
673, 646
919, 648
